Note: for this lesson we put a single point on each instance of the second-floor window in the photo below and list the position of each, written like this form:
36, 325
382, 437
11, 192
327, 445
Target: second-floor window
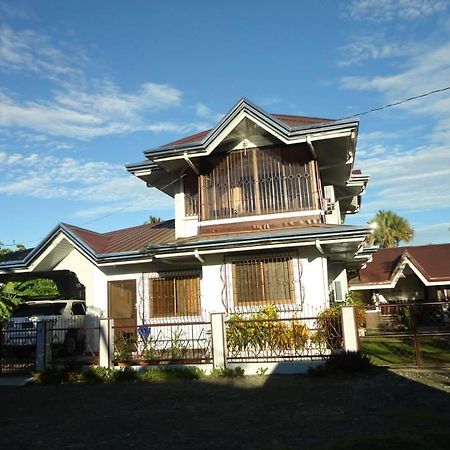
259, 181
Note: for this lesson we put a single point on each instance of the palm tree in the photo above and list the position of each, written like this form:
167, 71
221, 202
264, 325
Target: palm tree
153, 219
390, 229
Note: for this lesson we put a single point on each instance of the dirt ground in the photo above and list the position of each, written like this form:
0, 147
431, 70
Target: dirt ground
379, 409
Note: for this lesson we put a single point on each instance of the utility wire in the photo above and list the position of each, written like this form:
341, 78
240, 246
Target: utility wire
380, 108
130, 205
390, 105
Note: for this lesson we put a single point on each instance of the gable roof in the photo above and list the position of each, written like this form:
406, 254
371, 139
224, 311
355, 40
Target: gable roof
126, 239
432, 262
291, 121
123, 243
286, 126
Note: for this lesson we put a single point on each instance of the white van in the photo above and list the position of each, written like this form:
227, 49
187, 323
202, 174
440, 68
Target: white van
67, 318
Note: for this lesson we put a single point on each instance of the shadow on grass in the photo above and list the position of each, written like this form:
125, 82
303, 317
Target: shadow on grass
375, 409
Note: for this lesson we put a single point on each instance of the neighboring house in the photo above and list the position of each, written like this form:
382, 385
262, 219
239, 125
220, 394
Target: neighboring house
403, 274
260, 202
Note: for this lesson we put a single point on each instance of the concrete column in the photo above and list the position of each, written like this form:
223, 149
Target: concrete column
349, 329
219, 340
106, 345
43, 346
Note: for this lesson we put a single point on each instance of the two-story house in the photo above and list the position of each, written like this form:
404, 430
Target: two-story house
260, 202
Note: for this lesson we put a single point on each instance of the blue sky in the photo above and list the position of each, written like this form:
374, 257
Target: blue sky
86, 86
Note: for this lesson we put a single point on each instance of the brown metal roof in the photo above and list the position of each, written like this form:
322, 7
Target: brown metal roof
433, 261
294, 121
127, 239
193, 138
291, 121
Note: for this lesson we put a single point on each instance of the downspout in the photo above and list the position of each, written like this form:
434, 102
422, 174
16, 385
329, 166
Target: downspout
197, 255
311, 147
319, 246
191, 164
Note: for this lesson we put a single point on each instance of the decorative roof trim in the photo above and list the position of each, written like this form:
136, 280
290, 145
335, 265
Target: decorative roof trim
250, 110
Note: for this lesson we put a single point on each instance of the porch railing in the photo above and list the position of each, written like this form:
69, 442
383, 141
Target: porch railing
164, 343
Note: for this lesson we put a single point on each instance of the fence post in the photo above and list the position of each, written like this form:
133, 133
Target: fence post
219, 340
349, 329
106, 344
43, 345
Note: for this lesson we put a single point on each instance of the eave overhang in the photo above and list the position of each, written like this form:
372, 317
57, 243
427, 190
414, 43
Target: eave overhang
338, 236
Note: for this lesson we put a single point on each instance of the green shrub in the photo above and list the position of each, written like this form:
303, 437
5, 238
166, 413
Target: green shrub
97, 374
50, 375
163, 373
126, 374
238, 372
349, 361
263, 331
342, 362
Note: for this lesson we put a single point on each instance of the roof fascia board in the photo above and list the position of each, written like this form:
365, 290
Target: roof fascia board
308, 243
407, 262
325, 238
377, 286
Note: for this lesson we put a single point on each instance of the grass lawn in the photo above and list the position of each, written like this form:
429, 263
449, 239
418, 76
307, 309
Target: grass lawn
380, 409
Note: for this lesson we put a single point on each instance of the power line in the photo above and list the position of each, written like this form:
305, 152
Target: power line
130, 205
390, 105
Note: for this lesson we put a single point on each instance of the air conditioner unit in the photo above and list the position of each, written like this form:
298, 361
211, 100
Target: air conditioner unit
328, 205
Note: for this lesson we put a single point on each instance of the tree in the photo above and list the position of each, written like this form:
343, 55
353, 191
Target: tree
390, 229
153, 219
14, 292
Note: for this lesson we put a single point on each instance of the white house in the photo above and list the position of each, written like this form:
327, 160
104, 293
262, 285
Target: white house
260, 202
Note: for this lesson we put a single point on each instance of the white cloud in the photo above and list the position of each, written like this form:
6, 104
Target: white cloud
373, 47
85, 115
426, 70
412, 180
436, 233
29, 51
78, 107
205, 112
390, 10
106, 185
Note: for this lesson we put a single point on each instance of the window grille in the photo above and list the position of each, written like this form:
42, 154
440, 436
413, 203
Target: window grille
263, 281
259, 181
175, 296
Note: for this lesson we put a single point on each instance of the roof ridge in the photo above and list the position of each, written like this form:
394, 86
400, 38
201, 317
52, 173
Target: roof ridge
68, 225
150, 225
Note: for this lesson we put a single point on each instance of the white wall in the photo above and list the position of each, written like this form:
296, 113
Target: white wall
184, 226
212, 284
314, 281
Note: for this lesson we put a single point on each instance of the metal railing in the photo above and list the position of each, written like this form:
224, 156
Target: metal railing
70, 339
282, 339
408, 334
164, 343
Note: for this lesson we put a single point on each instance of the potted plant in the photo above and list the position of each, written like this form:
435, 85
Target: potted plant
148, 353
124, 346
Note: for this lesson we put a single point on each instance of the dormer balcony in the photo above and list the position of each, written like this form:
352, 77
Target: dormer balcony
253, 182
